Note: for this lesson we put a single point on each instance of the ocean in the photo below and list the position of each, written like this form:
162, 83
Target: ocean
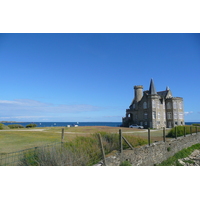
55, 124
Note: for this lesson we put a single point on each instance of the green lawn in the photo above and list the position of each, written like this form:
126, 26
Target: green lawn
15, 140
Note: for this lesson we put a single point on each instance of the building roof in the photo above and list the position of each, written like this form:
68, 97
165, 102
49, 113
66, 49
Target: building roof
152, 89
162, 93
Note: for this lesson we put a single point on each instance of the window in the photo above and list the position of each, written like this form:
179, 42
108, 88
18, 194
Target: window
169, 105
145, 105
169, 115
153, 104
181, 115
145, 123
180, 105
145, 115
133, 105
141, 123
158, 115
175, 115
154, 115
175, 105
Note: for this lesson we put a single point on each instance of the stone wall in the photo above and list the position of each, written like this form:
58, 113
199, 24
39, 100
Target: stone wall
153, 154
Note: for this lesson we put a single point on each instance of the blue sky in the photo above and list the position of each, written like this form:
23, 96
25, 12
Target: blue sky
90, 77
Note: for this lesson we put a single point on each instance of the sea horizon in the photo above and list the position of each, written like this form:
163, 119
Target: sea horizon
57, 124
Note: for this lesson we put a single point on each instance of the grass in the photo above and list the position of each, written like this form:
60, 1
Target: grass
81, 151
15, 140
18, 139
125, 163
173, 161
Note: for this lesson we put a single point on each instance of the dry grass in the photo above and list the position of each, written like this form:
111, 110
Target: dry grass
19, 139
81, 151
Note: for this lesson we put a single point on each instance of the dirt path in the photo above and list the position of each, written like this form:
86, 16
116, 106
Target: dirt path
23, 129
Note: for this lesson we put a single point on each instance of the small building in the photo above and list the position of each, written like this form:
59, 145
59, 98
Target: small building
153, 109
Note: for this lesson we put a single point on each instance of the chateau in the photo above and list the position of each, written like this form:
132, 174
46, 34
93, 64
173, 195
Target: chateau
153, 109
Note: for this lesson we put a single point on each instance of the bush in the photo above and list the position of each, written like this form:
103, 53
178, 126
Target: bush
195, 124
3, 127
31, 125
15, 126
180, 131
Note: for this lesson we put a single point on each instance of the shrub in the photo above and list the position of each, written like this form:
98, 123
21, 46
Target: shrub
15, 126
195, 124
31, 125
180, 131
3, 127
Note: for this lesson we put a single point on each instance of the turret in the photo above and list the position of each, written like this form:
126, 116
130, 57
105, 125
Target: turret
152, 89
138, 92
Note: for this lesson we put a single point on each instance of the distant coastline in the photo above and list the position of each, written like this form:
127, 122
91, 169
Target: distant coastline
10, 122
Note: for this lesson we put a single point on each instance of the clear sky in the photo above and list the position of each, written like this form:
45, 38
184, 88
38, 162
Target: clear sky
90, 77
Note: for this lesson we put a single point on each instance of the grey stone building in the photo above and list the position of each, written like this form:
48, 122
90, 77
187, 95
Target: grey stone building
153, 109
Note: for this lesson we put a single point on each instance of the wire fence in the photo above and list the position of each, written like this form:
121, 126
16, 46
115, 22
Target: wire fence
15, 158
86, 151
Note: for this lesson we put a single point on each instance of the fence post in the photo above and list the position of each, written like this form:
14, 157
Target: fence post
175, 132
120, 141
102, 149
163, 134
62, 135
127, 142
191, 130
149, 142
184, 131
